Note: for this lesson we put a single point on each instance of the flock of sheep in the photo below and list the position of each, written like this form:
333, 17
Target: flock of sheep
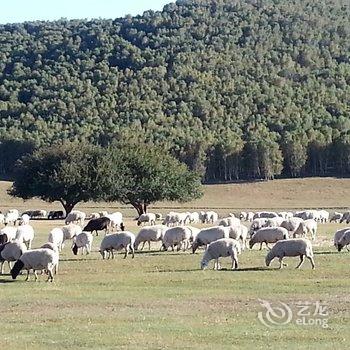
225, 237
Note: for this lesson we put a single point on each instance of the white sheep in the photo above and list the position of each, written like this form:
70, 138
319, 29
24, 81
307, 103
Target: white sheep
116, 219
174, 218
239, 232
250, 216
102, 213
94, 216
176, 236
194, 232
243, 215
25, 234
208, 235
36, 259
336, 217
323, 216
75, 216
291, 247
308, 226
268, 235
221, 248
11, 217
84, 241
11, 251
149, 218
117, 241
24, 219
150, 234
56, 236
338, 235
291, 224
70, 231
256, 225
159, 216
193, 218
229, 221
7, 234
274, 222
210, 217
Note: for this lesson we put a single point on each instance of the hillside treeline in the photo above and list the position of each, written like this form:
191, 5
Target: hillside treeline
235, 89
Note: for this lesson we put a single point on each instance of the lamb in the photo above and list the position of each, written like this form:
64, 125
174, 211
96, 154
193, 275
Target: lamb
94, 216
323, 216
306, 227
75, 216
37, 259
11, 251
11, 217
117, 241
179, 236
7, 234
209, 235
84, 241
193, 217
336, 217
150, 234
146, 218
291, 247
25, 234
268, 235
98, 224
221, 248
70, 231
229, 221
338, 235
56, 237
344, 240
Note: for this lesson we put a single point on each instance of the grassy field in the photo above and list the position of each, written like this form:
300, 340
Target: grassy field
164, 301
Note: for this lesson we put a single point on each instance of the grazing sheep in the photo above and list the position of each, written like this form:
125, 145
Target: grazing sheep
116, 220
25, 234
150, 234
55, 214
338, 235
265, 214
250, 216
70, 231
268, 235
56, 237
274, 222
117, 241
37, 259
84, 241
256, 225
209, 235
291, 247
193, 217
229, 221
345, 217
194, 233
292, 224
94, 216
11, 251
7, 234
221, 248
243, 215
323, 216
308, 214
103, 213
98, 224
75, 216
210, 217
179, 236
344, 240
308, 226
336, 217
50, 245
146, 218
239, 232
159, 216
174, 218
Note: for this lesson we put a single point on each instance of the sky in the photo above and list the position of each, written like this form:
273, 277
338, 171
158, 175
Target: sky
14, 11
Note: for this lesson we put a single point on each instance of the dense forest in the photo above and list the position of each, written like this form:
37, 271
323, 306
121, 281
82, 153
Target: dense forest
236, 89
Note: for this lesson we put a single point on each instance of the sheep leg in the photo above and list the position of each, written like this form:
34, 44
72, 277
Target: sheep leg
301, 261
312, 262
261, 246
2, 267
126, 251
267, 246
281, 263
149, 245
143, 245
27, 279
50, 278
132, 251
36, 275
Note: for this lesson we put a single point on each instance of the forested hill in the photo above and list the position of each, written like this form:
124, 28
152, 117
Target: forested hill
236, 89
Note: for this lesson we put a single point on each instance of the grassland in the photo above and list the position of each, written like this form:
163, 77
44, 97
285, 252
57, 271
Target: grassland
163, 301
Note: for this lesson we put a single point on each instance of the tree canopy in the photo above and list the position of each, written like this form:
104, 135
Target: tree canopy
135, 174
235, 89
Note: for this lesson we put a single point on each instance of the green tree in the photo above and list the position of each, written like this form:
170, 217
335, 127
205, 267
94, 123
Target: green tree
142, 174
65, 172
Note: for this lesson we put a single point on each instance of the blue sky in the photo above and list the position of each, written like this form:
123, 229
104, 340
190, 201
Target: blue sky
13, 11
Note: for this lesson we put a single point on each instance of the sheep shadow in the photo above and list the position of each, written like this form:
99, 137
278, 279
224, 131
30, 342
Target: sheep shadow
224, 269
4, 281
83, 259
326, 253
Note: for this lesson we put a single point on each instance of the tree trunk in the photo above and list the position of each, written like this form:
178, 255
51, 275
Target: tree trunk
138, 208
68, 207
145, 208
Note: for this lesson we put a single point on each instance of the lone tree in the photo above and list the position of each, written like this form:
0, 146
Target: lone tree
66, 173
143, 174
